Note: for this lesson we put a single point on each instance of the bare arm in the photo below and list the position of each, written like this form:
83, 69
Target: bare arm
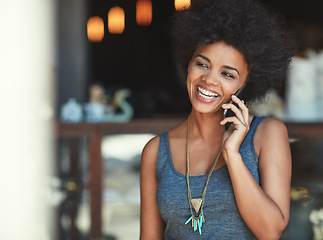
265, 208
151, 223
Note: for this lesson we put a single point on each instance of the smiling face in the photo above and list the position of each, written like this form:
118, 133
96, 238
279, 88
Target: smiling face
215, 72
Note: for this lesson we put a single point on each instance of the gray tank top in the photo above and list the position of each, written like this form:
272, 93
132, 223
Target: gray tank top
222, 217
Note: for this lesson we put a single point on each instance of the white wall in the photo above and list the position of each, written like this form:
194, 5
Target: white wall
27, 76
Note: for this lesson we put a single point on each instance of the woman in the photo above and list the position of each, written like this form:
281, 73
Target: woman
199, 181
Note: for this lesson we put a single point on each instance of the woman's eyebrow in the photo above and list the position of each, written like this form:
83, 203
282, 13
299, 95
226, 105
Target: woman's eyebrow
231, 68
202, 56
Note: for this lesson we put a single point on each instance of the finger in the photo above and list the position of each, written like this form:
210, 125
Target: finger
242, 106
238, 101
234, 109
233, 120
237, 124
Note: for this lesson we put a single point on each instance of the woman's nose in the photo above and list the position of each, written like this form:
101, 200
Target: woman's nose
211, 78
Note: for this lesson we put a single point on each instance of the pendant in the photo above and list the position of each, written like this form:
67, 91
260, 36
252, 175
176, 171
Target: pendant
196, 203
197, 222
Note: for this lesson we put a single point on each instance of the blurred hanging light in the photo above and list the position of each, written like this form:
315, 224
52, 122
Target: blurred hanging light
182, 4
95, 29
144, 12
116, 20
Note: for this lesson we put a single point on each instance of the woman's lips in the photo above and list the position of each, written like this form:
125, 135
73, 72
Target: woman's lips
206, 95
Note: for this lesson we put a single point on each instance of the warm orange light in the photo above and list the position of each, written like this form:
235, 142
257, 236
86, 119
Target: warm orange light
116, 20
144, 12
95, 29
182, 4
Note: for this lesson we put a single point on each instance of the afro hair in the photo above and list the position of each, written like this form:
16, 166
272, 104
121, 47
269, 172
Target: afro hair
256, 31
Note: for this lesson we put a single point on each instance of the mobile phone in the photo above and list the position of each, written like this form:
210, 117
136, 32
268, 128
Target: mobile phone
244, 93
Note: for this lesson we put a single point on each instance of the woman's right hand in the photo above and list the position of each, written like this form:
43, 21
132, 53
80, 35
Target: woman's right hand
234, 136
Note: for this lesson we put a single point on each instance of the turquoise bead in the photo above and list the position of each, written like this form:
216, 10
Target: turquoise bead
188, 220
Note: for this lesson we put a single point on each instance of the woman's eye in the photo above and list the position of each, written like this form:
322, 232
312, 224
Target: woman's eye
227, 75
202, 65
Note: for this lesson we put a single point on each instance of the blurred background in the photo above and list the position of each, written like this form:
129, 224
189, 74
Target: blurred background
86, 83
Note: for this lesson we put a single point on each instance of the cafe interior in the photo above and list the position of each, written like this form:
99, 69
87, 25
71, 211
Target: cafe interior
89, 82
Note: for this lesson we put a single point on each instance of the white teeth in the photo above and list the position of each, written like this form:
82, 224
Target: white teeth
207, 93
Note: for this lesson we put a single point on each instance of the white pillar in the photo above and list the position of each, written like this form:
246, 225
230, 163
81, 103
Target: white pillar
27, 75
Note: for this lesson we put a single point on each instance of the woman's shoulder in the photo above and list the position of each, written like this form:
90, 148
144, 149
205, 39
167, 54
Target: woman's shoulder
271, 125
271, 129
149, 157
151, 147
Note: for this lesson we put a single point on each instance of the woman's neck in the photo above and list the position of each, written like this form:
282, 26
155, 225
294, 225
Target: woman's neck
206, 126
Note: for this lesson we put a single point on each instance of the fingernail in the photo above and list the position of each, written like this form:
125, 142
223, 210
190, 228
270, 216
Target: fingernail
223, 105
234, 96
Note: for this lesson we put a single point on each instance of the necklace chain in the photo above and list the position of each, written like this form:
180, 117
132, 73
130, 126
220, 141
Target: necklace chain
196, 221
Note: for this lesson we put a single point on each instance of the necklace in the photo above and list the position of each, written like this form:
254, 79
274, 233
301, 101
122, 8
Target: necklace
196, 203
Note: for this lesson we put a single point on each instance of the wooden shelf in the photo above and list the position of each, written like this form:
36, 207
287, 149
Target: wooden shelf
295, 129
134, 126
305, 129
